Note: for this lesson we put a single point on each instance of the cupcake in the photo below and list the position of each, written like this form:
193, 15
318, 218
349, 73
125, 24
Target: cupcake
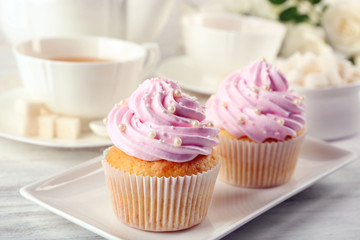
262, 126
161, 170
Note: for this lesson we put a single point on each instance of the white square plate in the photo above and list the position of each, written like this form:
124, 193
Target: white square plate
80, 195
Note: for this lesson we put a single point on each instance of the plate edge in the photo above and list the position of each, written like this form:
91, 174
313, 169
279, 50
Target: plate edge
353, 156
25, 193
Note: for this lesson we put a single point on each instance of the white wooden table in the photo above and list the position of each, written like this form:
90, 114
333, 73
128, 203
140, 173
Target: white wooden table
330, 209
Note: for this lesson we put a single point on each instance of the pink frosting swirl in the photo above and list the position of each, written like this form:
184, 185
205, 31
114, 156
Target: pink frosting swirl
257, 103
160, 122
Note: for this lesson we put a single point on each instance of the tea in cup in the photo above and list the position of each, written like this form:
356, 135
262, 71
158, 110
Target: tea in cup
83, 76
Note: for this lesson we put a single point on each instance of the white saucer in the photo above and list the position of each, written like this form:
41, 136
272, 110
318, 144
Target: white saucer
80, 195
8, 128
183, 70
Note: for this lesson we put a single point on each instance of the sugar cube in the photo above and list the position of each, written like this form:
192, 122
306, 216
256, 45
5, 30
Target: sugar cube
47, 125
68, 127
27, 126
27, 107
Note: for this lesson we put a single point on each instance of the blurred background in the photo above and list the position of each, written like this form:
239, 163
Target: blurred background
318, 51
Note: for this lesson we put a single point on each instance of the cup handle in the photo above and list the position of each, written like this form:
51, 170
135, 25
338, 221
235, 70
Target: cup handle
152, 58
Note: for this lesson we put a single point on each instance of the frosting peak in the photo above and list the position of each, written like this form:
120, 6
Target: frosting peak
262, 74
160, 122
257, 103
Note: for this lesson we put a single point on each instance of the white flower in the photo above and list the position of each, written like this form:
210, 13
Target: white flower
264, 9
318, 71
259, 8
304, 38
242, 6
330, 2
342, 25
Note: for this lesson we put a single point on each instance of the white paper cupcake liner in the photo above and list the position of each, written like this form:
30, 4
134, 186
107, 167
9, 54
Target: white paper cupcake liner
258, 165
160, 203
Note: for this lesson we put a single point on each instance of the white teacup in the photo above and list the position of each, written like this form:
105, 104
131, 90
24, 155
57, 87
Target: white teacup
126, 19
83, 76
222, 43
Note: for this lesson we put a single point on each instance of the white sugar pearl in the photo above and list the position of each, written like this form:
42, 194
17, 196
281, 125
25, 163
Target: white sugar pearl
195, 123
210, 124
105, 121
241, 120
177, 142
152, 134
122, 127
224, 104
266, 87
177, 93
171, 109
281, 121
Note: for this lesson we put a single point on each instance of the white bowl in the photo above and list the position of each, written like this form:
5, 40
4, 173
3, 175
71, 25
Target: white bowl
332, 113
